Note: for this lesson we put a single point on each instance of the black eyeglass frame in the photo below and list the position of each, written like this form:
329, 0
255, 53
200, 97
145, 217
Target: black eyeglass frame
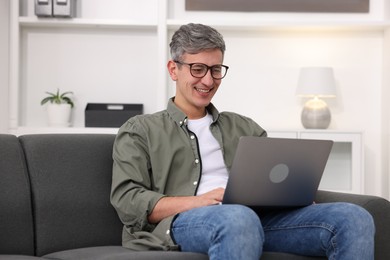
208, 68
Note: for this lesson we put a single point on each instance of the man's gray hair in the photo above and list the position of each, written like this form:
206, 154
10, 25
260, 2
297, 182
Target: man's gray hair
195, 38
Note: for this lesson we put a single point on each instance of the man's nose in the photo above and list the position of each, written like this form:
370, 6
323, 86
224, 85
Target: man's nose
208, 79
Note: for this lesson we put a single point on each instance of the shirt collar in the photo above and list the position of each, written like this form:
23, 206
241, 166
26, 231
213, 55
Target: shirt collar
181, 118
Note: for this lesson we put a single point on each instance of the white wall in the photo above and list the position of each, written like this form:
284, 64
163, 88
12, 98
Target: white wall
4, 29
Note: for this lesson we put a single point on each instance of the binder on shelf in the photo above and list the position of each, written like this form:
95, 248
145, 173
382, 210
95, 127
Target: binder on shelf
43, 8
110, 115
64, 8
56, 8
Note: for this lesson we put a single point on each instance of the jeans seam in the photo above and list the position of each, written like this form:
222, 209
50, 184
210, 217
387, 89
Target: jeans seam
334, 245
330, 228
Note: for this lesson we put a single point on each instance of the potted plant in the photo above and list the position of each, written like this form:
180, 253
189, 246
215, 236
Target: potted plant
59, 108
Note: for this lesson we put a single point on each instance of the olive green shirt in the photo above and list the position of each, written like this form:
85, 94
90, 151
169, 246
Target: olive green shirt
155, 156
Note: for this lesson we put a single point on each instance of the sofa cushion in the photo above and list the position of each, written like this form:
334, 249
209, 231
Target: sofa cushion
119, 253
19, 257
16, 218
285, 256
71, 181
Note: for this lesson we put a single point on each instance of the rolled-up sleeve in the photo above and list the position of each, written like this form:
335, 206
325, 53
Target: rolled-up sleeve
131, 191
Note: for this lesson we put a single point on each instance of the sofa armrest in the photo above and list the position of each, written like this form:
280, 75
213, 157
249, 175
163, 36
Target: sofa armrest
378, 207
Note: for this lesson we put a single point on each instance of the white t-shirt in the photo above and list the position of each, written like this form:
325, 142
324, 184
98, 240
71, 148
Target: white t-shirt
214, 172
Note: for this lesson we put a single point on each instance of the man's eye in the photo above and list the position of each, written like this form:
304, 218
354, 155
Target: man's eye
217, 69
197, 69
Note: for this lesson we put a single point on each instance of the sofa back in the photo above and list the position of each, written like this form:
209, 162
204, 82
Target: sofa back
70, 177
16, 218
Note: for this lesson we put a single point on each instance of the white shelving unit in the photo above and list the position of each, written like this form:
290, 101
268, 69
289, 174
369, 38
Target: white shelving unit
85, 23
345, 168
19, 24
66, 130
161, 27
246, 25
143, 36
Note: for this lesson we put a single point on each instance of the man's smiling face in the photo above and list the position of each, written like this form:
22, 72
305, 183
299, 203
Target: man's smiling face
194, 94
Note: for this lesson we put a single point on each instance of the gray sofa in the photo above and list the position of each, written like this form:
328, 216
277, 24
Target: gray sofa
54, 202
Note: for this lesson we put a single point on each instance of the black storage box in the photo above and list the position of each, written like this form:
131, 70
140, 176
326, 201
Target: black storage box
110, 115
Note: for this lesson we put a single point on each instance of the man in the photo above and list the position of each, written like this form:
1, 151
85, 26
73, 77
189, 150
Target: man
171, 168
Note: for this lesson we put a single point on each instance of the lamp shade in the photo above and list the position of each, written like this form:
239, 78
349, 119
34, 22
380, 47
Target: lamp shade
316, 81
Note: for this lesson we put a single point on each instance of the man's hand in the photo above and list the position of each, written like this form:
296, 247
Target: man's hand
212, 197
168, 206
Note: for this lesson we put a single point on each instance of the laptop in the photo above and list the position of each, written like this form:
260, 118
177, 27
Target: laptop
276, 172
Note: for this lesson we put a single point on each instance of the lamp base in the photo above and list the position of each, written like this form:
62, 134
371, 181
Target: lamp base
315, 114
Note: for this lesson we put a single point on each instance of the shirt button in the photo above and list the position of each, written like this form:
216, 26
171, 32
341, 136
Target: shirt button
185, 120
195, 183
181, 122
168, 232
192, 136
196, 160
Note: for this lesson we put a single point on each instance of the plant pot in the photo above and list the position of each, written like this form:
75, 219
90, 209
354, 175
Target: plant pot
59, 115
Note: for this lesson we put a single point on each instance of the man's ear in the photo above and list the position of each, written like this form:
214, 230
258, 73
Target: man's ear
172, 68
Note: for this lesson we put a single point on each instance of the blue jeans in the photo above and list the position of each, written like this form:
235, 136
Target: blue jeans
336, 230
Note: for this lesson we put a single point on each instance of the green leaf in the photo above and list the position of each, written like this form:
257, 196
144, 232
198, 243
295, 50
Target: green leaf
58, 98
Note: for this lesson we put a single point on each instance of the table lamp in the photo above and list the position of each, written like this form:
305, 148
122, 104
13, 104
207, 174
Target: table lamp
316, 83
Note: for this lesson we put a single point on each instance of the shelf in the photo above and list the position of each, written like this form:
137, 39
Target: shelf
64, 130
85, 23
316, 131
252, 25
231, 25
347, 155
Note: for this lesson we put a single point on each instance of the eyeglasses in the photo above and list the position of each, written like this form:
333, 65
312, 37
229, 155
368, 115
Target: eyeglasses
199, 70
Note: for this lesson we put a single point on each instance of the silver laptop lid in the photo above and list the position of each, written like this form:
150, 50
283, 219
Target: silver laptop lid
278, 172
